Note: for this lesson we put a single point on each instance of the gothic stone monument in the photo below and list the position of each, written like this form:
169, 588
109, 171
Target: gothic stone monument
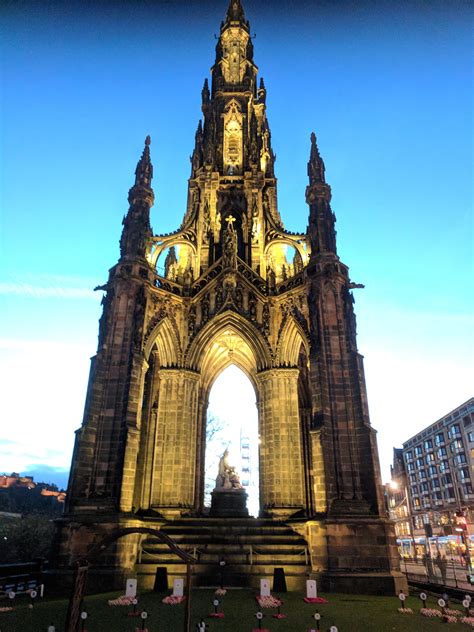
236, 288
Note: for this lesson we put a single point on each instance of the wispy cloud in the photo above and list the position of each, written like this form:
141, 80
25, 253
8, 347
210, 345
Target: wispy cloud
48, 346
35, 291
49, 286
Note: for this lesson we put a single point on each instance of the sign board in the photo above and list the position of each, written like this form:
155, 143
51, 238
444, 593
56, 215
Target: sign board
311, 589
264, 588
131, 588
178, 587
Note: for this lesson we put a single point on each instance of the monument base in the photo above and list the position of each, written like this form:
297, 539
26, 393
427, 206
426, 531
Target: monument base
229, 503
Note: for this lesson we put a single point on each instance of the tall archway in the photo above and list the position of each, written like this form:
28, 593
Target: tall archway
232, 423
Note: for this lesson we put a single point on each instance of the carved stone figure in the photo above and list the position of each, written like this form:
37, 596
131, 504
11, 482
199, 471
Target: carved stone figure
192, 321
252, 308
230, 244
227, 476
218, 303
205, 308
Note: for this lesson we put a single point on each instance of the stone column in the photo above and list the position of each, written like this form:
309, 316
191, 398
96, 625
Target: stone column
318, 473
281, 457
174, 475
132, 438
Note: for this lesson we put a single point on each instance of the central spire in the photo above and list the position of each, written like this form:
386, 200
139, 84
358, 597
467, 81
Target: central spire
232, 187
235, 14
234, 51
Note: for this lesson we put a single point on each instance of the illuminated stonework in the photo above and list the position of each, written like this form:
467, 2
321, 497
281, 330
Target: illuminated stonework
232, 286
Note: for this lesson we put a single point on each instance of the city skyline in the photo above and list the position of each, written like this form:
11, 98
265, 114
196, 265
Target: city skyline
393, 128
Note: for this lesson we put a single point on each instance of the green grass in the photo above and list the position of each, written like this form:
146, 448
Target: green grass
350, 613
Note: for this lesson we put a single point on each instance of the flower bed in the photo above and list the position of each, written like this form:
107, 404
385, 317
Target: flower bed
315, 600
121, 601
173, 600
405, 611
268, 602
220, 592
468, 621
431, 612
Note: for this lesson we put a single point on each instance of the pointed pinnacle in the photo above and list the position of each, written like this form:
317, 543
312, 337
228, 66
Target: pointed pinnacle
235, 12
144, 170
205, 91
316, 167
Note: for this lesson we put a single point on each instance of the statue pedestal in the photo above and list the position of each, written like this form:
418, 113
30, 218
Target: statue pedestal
229, 503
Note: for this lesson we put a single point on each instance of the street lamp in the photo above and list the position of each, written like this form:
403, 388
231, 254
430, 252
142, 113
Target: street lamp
395, 486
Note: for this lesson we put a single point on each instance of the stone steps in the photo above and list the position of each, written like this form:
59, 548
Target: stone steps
251, 547
215, 549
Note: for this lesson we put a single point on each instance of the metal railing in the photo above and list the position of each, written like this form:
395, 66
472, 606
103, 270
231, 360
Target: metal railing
448, 573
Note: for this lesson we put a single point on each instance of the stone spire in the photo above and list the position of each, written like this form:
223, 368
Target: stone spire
235, 15
321, 231
234, 52
316, 167
137, 231
205, 92
144, 170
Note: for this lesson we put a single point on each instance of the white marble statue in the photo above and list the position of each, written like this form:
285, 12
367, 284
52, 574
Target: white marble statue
227, 477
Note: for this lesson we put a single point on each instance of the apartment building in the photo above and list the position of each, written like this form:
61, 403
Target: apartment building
431, 493
439, 471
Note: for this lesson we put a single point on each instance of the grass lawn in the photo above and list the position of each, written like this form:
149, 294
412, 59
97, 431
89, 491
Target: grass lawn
350, 613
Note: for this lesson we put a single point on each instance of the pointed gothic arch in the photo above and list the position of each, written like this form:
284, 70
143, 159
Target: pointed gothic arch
165, 339
236, 323
292, 337
244, 399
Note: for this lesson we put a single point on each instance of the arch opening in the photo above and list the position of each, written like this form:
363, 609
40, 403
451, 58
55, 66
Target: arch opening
283, 260
232, 423
175, 262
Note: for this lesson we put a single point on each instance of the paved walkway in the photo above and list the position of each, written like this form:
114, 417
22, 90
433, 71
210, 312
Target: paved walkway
455, 574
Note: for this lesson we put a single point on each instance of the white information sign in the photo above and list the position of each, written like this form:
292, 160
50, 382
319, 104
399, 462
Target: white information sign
311, 589
264, 588
178, 587
131, 588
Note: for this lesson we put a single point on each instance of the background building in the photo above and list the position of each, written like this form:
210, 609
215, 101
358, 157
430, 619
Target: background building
432, 481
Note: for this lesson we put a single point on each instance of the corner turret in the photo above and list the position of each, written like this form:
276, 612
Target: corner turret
137, 232
321, 231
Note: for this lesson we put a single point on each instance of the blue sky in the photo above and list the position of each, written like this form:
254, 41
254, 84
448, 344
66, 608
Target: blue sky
387, 88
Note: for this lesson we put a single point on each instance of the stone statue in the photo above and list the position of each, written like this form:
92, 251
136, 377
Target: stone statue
229, 254
227, 477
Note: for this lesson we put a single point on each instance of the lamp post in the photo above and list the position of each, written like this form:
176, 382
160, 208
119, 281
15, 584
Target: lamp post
394, 486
